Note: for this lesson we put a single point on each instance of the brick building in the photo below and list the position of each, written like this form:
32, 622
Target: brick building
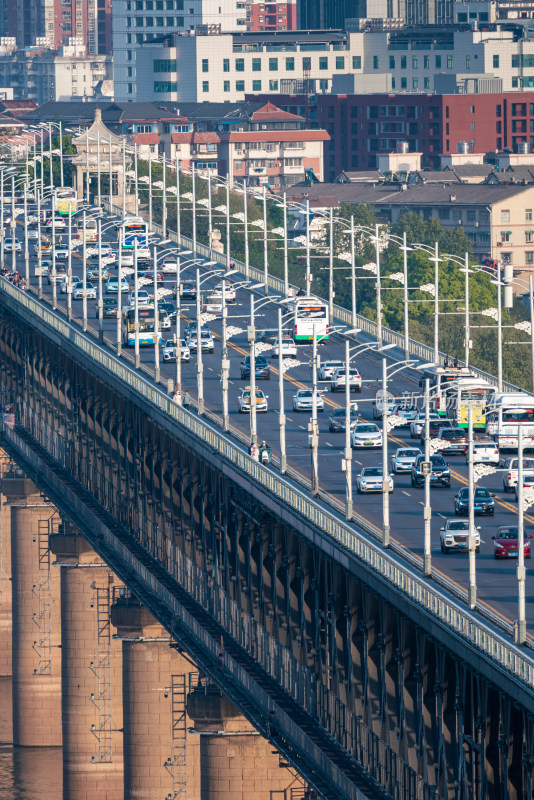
266, 16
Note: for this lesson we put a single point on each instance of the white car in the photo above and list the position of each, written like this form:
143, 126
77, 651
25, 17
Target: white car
57, 223
287, 346
366, 434
455, 536
404, 459
165, 321
370, 479
90, 291
303, 401
62, 253
170, 265
510, 471
33, 234
339, 380
169, 351
243, 401
11, 244
418, 423
327, 369
65, 282
46, 267
206, 342
143, 298
405, 412
378, 407
484, 452
528, 483
229, 291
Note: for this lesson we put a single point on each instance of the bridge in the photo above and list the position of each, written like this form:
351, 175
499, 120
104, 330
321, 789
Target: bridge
367, 678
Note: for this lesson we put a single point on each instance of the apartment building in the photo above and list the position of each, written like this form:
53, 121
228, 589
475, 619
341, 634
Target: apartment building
497, 219
266, 16
59, 21
136, 23
451, 59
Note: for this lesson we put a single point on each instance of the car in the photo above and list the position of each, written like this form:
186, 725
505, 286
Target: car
262, 368
404, 459
33, 234
303, 401
378, 407
206, 341
62, 253
366, 434
454, 440
327, 369
169, 309
45, 248
170, 264
440, 472
482, 499
434, 427
286, 348
229, 291
148, 274
339, 380
46, 267
54, 277
165, 321
105, 250
454, 535
93, 273
169, 351
485, 451
405, 412
90, 291
65, 282
338, 418
243, 401
509, 465
528, 483
506, 542
110, 307
143, 298
188, 290
56, 223
11, 244
191, 328
370, 480
112, 285
268, 336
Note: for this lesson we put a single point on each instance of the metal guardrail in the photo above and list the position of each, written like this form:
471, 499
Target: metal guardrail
377, 759
457, 620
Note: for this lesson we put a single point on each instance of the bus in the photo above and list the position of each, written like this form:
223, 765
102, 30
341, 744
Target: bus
133, 229
64, 201
439, 379
465, 392
147, 317
509, 412
310, 319
90, 231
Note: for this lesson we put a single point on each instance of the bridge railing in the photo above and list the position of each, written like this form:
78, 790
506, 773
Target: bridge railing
458, 621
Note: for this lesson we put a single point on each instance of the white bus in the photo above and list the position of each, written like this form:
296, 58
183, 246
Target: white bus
509, 412
465, 392
310, 319
90, 231
439, 379
64, 201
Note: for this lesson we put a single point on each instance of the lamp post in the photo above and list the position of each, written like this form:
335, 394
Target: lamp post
136, 307
314, 426
245, 214
348, 448
427, 513
385, 472
379, 292
252, 343
69, 270
265, 255
84, 273
281, 416
119, 298
521, 572
308, 264
472, 594
157, 371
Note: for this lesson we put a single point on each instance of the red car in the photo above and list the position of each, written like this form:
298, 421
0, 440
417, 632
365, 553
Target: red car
506, 545
149, 273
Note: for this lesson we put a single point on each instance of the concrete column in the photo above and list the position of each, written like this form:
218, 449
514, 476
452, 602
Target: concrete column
6, 619
36, 642
153, 676
92, 675
236, 763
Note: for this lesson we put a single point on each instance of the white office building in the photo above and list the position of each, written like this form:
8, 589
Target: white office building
215, 67
136, 22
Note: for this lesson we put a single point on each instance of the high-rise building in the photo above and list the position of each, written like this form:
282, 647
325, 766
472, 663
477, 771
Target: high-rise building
57, 21
263, 15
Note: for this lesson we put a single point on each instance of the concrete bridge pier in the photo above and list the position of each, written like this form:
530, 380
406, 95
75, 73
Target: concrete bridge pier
36, 632
91, 706
236, 762
160, 758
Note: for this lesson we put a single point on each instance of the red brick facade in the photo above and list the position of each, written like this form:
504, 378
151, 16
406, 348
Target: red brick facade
272, 16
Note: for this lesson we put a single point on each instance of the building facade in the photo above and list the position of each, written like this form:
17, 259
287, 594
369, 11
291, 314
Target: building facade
60, 20
442, 59
274, 16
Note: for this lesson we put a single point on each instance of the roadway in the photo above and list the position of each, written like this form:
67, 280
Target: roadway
496, 580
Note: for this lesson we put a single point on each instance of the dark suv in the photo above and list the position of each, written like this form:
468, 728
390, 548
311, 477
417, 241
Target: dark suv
262, 368
188, 290
455, 440
440, 474
434, 427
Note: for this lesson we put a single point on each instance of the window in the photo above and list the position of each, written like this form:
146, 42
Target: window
404, 83
240, 65
468, 62
227, 86
164, 65
403, 62
256, 86
438, 62
356, 62
273, 86
472, 126
415, 62
505, 236
392, 62
226, 65
427, 83
415, 83
340, 62
449, 62
495, 62
205, 86
505, 216
529, 236
205, 65
240, 86
323, 62
256, 65
444, 213
529, 256
376, 62
290, 64
273, 65
498, 111
164, 86
426, 62
306, 63
528, 215
515, 62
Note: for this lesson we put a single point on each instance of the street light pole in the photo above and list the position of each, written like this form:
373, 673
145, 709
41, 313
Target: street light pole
314, 426
178, 340
69, 270
281, 416
61, 153
252, 343
352, 273
136, 307
119, 301
348, 448
26, 250
499, 336
521, 572
435, 259
265, 256
136, 173
164, 200
150, 191
331, 269
225, 362
200, 365
228, 252
378, 292
84, 273
385, 474
427, 564
194, 196
308, 264
472, 597
54, 273
286, 259
100, 302
157, 372
404, 249
245, 215
467, 331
